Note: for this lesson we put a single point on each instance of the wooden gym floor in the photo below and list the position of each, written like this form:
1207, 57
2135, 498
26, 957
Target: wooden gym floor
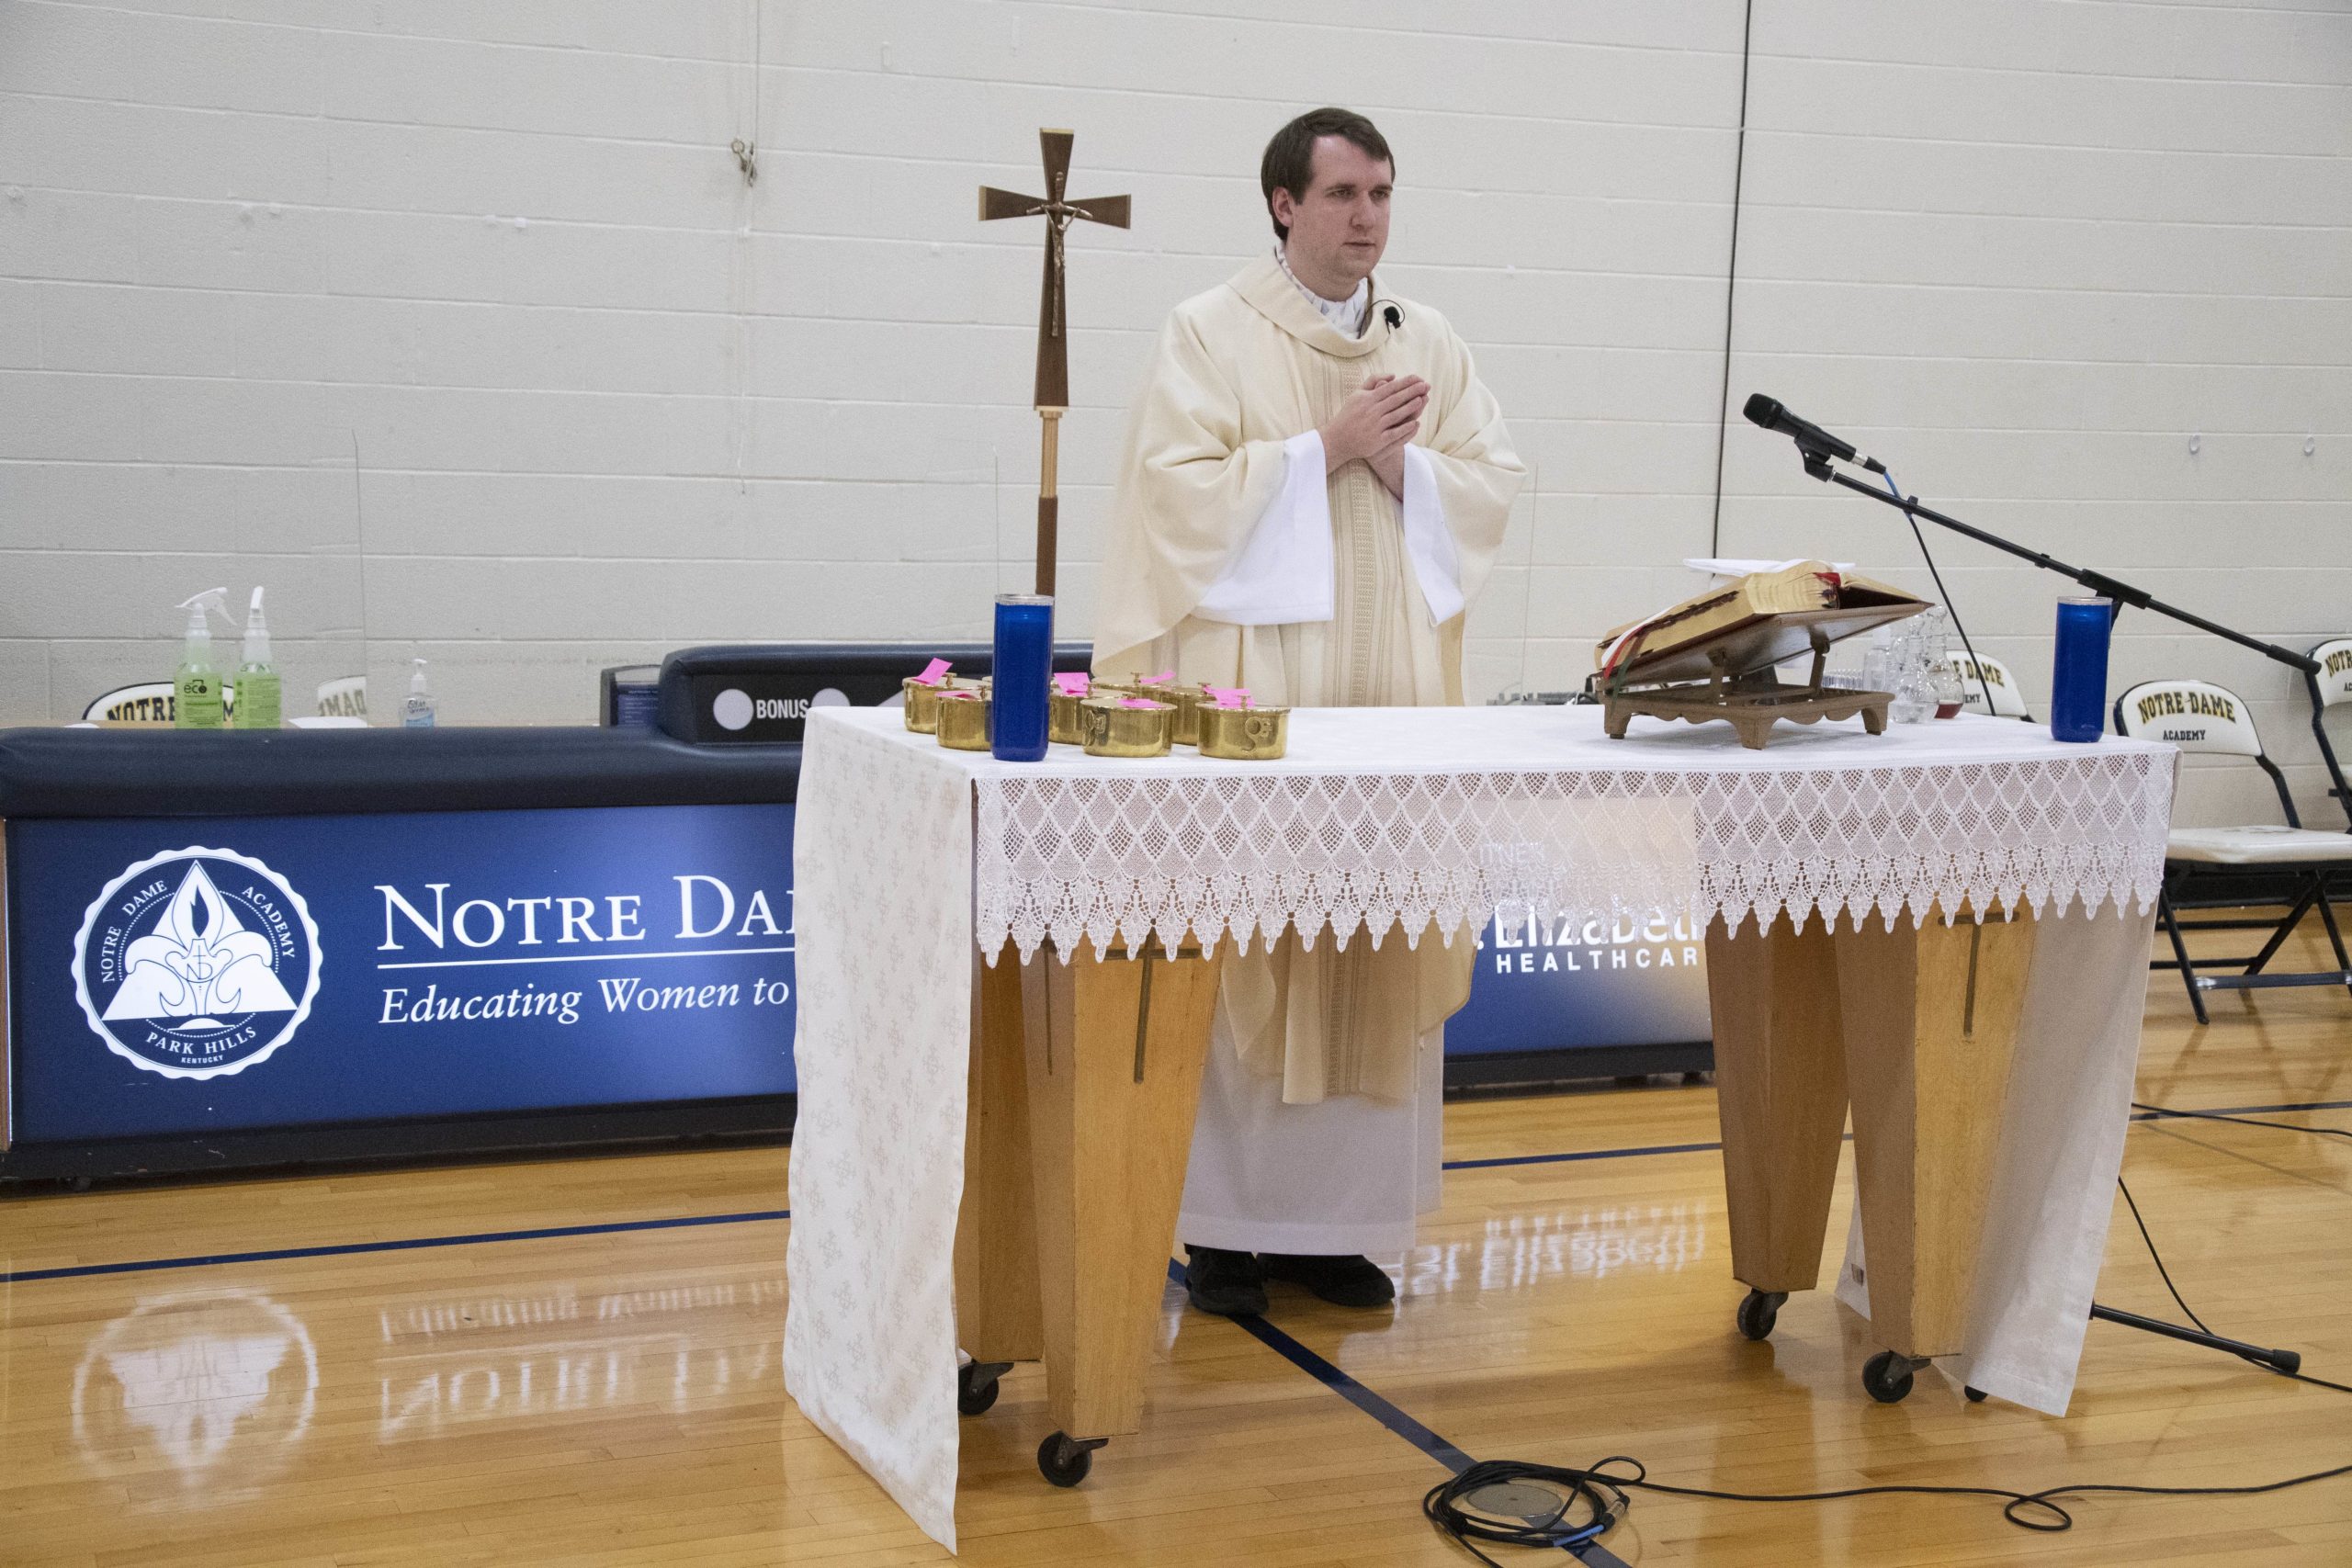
386, 1372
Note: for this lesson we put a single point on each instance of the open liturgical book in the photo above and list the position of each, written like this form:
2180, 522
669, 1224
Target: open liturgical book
1712, 656
1748, 625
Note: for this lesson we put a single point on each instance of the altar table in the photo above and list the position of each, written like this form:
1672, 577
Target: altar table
1008, 972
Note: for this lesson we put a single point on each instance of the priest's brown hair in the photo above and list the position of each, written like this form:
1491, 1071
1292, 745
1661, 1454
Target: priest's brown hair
1289, 163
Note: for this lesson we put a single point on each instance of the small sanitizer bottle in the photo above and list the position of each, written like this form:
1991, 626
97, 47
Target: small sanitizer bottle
416, 713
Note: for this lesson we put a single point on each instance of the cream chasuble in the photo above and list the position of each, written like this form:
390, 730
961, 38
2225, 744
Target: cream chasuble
1204, 528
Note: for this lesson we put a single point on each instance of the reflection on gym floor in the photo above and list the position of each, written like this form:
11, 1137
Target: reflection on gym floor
496, 1359
1586, 1244
223, 1384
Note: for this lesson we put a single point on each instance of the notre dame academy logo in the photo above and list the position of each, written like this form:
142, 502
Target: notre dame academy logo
197, 963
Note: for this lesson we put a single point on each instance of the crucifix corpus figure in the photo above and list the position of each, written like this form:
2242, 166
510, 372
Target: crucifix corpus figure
1053, 339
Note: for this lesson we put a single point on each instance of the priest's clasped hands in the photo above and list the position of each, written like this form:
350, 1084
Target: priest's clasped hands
1373, 425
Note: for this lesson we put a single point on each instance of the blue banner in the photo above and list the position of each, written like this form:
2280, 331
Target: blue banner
1544, 983
194, 975
188, 976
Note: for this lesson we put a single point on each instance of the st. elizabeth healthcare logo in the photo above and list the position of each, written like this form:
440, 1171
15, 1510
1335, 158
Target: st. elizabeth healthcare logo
197, 963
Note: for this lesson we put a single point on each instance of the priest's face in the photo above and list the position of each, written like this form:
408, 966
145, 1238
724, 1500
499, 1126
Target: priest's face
1339, 228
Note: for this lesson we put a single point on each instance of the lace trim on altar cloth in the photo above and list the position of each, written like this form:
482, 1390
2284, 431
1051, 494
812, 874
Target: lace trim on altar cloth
1251, 856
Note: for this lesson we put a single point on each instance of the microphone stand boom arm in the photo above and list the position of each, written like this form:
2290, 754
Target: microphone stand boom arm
2107, 587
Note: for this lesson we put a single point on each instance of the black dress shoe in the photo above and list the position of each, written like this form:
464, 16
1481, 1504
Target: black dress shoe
1342, 1281
1230, 1284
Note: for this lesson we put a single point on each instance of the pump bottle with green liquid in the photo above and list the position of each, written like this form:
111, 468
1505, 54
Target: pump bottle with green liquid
195, 684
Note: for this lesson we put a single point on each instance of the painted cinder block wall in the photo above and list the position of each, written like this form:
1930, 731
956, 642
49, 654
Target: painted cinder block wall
459, 326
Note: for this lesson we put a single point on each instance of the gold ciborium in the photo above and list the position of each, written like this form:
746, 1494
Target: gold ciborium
1189, 703
1065, 717
1115, 730
963, 721
1244, 735
922, 700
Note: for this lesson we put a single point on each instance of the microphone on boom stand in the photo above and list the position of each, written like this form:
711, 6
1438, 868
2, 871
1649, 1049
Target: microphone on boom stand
1816, 442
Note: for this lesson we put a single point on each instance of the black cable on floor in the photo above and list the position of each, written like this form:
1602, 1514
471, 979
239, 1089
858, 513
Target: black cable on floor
1447, 1506
2037, 1511
1603, 1491
2243, 1121
2164, 1273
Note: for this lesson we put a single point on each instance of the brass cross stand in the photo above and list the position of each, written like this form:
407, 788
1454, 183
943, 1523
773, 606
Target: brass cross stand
1053, 339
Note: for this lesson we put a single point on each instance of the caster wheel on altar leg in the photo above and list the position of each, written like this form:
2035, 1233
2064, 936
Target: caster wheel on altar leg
1975, 1395
977, 1385
1759, 1311
1064, 1459
1886, 1377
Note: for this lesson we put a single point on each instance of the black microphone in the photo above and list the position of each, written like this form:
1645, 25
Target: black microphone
1773, 414
1392, 314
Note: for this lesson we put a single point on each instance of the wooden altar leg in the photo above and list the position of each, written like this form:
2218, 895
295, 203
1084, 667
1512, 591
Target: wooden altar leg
998, 1316
1116, 1049
1930, 1025
1781, 1092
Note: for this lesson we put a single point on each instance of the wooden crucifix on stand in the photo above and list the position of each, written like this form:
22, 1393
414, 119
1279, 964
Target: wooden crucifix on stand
1053, 338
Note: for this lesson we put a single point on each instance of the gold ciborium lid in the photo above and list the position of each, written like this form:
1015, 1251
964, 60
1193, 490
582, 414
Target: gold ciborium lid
1126, 726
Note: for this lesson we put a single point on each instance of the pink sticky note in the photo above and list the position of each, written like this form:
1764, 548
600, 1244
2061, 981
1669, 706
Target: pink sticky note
1159, 679
1228, 696
934, 673
1071, 686
959, 697
1139, 703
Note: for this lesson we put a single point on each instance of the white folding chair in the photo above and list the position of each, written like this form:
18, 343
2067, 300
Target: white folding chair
2008, 698
2198, 716
346, 696
150, 702
2331, 686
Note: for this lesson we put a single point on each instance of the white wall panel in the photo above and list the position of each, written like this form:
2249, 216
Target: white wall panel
2025, 251
456, 322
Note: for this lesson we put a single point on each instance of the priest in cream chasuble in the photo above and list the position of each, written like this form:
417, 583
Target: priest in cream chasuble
1315, 485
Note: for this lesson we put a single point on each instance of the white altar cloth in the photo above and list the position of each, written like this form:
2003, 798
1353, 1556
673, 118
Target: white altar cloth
910, 860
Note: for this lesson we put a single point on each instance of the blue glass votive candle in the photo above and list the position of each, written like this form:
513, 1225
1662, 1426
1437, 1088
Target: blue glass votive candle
2078, 679
1023, 676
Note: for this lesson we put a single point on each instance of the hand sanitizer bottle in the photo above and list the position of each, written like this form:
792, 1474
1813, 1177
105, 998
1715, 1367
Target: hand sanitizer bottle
417, 712
258, 688
195, 684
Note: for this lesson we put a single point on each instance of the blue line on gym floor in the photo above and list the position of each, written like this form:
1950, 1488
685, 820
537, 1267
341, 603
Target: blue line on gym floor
410, 1245
1379, 1409
345, 1249
1581, 1155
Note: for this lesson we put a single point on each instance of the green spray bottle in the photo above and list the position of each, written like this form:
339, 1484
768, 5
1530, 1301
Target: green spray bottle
258, 688
195, 684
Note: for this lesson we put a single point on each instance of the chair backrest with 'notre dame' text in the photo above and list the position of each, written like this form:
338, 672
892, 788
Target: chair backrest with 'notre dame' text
2009, 700
150, 702
2198, 715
